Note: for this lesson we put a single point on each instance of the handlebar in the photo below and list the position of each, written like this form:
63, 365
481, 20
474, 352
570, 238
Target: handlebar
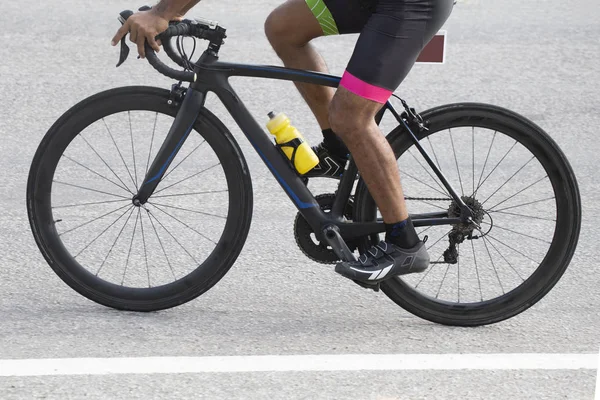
194, 28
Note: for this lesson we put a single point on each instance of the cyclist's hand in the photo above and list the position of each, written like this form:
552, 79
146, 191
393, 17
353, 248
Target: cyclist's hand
143, 26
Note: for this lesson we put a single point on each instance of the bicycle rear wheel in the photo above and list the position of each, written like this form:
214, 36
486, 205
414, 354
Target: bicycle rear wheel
526, 200
140, 258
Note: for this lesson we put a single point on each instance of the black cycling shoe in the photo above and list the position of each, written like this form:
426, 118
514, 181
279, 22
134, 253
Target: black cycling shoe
330, 165
384, 261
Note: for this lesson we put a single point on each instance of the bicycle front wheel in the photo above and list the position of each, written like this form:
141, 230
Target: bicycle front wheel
158, 255
524, 197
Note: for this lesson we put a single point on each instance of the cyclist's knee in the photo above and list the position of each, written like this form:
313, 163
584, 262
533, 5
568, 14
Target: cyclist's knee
275, 28
292, 24
350, 114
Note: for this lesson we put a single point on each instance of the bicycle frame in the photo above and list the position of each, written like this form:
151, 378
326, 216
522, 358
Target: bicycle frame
212, 75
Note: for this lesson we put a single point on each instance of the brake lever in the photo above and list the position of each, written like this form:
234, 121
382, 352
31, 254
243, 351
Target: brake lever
123, 15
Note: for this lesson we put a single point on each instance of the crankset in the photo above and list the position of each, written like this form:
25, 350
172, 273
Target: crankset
307, 241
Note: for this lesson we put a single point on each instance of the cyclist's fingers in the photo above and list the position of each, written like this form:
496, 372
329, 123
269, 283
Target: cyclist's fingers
153, 43
159, 42
140, 45
120, 33
133, 34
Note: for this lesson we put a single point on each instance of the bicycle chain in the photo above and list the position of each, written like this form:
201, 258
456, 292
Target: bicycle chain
428, 198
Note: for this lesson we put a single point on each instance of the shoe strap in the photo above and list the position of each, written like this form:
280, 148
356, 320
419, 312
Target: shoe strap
385, 247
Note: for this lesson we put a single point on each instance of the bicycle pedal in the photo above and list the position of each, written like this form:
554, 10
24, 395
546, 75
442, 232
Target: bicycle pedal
374, 287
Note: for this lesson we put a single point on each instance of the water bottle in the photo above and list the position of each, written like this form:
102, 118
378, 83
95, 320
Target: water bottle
292, 143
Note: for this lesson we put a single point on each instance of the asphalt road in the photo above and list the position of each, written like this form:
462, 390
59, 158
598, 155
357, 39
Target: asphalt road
539, 58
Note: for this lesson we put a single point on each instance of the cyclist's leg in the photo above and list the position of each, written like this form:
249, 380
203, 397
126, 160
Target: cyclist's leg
292, 25
290, 28
384, 54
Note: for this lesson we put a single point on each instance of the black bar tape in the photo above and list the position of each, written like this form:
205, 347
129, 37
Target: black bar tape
173, 55
165, 69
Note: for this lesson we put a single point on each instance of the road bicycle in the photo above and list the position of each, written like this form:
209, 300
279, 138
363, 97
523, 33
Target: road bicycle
149, 232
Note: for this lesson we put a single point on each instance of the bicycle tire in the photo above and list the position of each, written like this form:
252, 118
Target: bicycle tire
183, 290
563, 243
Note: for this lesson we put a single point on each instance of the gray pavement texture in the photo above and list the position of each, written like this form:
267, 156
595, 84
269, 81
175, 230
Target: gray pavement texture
539, 58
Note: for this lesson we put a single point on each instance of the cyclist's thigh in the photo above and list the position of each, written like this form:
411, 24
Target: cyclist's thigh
340, 16
389, 44
292, 22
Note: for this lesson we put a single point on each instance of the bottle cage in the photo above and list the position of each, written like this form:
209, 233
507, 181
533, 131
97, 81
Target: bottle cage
294, 144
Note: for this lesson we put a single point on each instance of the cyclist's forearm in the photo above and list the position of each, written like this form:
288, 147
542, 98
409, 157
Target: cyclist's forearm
189, 6
170, 9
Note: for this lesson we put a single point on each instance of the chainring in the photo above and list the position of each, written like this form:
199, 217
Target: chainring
305, 236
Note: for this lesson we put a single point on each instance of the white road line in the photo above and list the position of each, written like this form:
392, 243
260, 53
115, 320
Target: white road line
597, 395
349, 362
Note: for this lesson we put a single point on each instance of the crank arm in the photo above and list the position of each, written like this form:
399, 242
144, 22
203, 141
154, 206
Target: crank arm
332, 236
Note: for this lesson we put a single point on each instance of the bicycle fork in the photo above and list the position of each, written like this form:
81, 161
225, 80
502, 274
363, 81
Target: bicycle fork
193, 102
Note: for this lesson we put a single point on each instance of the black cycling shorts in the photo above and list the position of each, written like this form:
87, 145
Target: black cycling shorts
392, 35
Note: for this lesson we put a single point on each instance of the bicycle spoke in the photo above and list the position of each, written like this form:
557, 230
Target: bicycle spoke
473, 156
175, 239
497, 165
90, 203
485, 164
508, 180
518, 233
434, 155
519, 192
426, 184
94, 172
428, 173
477, 270
441, 237
437, 295
133, 150
456, 162
181, 222
426, 229
102, 233
115, 242
189, 177
493, 265
186, 209
151, 143
90, 189
185, 158
458, 273
525, 204
504, 258
145, 251
95, 219
523, 215
104, 161
512, 248
161, 244
119, 151
130, 246
433, 264
191, 194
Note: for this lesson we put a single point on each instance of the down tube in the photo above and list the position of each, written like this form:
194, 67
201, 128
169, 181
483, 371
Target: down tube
279, 166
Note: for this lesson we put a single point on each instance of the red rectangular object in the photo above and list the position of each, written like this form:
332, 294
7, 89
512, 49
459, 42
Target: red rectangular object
435, 51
